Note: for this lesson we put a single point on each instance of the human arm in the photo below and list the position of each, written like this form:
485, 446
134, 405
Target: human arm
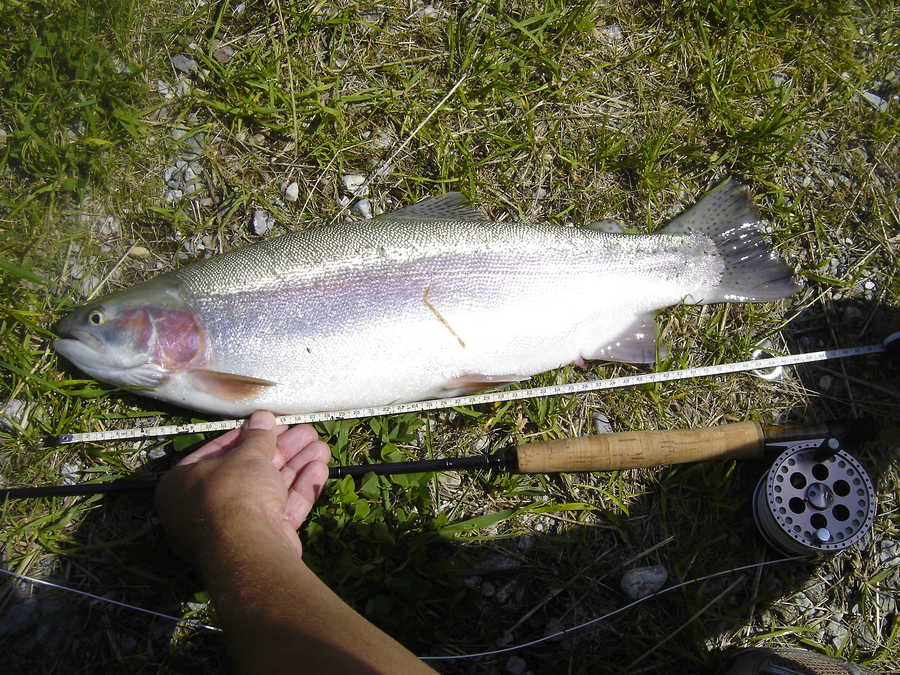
232, 509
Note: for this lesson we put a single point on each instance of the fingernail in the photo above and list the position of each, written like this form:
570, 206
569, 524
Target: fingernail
261, 419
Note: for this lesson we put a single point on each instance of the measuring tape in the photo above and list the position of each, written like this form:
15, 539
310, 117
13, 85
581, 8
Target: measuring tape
760, 364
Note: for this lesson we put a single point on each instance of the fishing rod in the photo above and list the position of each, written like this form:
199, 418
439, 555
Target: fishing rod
829, 494
764, 366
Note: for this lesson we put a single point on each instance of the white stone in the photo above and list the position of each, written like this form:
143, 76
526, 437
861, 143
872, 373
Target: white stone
353, 183
165, 89
292, 192
183, 63
169, 175
262, 222
156, 453
825, 382
613, 31
601, 423
875, 101
13, 414
642, 581
70, 472
362, 208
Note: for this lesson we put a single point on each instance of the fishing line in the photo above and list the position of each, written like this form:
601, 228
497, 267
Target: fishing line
609, 615
110, 601
453, 657
760, 365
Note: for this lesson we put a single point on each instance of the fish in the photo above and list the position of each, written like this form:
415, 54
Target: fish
428, 301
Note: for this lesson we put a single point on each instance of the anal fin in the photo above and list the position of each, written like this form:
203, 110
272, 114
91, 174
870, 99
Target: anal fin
228, 385
635, 344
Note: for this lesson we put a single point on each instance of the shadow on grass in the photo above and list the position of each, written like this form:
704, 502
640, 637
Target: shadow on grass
446, 596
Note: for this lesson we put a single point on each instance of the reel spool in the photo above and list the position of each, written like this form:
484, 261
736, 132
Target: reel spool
810, 504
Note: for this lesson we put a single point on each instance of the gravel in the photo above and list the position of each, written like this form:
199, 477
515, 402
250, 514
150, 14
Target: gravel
353, 184
642, 581
262, 222
184, 64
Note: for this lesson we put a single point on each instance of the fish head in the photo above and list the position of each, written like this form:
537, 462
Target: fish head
136, 337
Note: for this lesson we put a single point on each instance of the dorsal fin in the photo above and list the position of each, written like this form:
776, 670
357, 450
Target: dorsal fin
450, 206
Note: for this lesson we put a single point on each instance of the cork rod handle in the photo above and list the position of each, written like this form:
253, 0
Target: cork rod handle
633, 449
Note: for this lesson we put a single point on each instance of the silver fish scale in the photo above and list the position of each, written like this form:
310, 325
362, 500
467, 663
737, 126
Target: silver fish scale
393, 311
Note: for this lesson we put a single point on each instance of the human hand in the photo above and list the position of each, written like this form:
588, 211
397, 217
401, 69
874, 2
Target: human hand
261, 478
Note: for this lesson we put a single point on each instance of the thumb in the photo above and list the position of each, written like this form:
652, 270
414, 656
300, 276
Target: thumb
258, 437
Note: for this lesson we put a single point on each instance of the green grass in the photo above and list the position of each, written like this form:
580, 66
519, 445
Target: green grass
567, 112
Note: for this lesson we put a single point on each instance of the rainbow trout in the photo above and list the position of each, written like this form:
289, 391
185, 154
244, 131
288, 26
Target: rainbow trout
425, 302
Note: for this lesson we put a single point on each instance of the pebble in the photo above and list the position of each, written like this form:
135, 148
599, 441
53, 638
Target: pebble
352, 184
825, 382
381, 141
169, 175
262, 222
642, 581
601, 423
165, 89
889, 552
836, 632
869, 285
292, 192
886, 603
239, 9
70, 473
183, 63
76, 270
875, 101
13, 414
516, 665
506, 591
526, 543
193, 188
88, 285
223, 54
156, 453
172, 196
612, 32
779, 79
500, 563
488, 589
481, 444
362, 208
108, 225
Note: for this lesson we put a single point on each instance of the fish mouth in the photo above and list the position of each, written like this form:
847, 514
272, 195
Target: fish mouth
86, 338
90, 355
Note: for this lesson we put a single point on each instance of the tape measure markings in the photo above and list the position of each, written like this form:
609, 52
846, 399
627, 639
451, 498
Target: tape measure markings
480, 399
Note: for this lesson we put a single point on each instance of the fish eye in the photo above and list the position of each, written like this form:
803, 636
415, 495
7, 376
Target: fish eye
96, 317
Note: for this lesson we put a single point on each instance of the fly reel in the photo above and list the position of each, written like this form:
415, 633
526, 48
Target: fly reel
816, 499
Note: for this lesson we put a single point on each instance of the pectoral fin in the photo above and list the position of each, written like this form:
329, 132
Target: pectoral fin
228, 385
471, 382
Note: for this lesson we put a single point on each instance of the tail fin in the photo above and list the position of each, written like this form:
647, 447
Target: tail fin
753, 271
